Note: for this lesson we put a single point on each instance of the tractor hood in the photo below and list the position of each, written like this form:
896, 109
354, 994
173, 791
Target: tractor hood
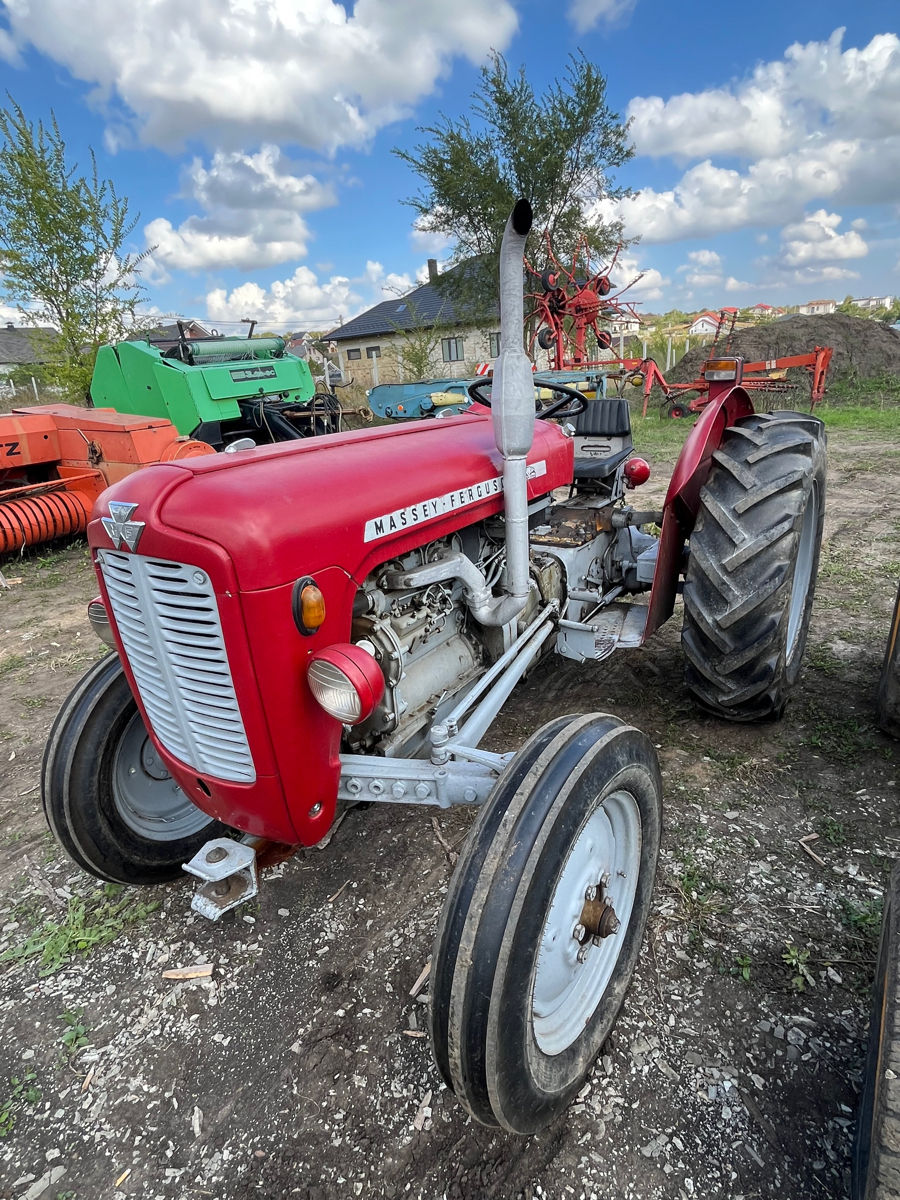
349, 500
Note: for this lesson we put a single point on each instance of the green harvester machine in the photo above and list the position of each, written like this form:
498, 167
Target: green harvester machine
216, 389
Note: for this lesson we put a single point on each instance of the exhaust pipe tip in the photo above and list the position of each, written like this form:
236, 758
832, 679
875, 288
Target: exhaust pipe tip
521, 217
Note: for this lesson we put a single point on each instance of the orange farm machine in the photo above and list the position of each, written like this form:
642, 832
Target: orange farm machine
55, 459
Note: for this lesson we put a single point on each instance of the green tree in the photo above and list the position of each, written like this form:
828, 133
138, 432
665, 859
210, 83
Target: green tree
62, 248
558, 150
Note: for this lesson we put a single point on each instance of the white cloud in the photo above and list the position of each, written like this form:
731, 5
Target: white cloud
298, 300
703, 268
816, 239
649, 287
586, 14
426, 241
256, 181
253, 206
301, 300
307, 71
705, 258
199, 245
692, 125
821, 125
853, 92
8, 50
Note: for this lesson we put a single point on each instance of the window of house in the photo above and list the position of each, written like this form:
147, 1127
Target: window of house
493, 345
353, 355
373, 352
453, 349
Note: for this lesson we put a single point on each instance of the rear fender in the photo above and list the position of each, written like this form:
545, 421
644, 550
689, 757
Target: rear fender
726, 403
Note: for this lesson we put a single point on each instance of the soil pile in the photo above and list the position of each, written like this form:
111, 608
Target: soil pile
862, 349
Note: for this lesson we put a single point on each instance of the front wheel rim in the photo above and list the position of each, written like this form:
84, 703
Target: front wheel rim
145, 796
606, 852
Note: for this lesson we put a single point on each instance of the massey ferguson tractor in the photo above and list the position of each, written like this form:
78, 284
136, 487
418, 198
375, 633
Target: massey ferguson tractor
304, 627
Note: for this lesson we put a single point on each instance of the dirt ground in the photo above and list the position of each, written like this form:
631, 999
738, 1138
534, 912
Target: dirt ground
299, 1067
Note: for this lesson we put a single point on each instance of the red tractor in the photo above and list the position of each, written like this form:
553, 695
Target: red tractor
304, 627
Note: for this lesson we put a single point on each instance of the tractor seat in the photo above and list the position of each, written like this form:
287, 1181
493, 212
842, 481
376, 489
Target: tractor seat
602, 437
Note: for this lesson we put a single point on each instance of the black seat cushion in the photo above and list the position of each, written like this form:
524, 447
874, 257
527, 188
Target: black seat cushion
599, 468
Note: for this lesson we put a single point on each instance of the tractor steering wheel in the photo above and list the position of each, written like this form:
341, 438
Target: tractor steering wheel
572, 404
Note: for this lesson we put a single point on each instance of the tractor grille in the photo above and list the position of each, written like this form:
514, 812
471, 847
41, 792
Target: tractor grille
168, 620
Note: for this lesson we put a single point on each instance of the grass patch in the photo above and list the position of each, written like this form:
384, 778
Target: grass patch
841, 739
88, 922
22, 1091
833, 831
864, 919
822, 658
702, 898
870, 418
74, 1036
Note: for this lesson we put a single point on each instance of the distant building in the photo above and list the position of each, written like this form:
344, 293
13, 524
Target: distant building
707, 322
626, 324
370, 346
818, 308
761, 310
870, 302
24, 345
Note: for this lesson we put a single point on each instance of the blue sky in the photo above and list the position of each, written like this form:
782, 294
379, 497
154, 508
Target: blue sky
255, 137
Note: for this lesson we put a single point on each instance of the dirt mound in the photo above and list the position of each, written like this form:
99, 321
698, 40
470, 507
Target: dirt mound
862, 349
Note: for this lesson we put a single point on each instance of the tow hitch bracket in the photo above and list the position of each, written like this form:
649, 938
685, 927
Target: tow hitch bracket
229, 874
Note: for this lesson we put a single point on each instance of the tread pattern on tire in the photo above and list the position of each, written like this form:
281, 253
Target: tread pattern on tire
737, 593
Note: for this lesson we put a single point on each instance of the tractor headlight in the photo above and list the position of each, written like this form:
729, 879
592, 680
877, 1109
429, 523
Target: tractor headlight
346, 681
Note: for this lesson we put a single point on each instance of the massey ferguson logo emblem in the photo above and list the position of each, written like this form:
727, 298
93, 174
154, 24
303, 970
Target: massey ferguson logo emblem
121, 529
439, 506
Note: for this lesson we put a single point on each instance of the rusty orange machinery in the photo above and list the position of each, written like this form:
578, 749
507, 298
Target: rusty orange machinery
55, 459
766, 375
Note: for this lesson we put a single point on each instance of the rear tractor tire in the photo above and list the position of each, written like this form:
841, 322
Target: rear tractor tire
108, 799
543, 921
754, 554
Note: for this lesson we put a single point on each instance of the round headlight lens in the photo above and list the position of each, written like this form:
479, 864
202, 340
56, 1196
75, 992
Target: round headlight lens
334, 691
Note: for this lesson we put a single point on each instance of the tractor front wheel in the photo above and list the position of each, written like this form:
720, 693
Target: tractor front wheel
108, 799
543, 921
752, 570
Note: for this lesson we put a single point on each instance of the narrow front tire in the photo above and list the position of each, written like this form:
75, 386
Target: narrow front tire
544, 919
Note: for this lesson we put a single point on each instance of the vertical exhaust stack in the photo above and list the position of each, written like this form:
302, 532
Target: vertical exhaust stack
513, 411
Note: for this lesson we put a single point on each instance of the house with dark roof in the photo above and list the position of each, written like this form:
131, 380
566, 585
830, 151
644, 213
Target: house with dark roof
377, 346
24, 345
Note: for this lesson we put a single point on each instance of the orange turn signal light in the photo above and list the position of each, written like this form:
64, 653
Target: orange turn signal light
308, 606
718, 369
